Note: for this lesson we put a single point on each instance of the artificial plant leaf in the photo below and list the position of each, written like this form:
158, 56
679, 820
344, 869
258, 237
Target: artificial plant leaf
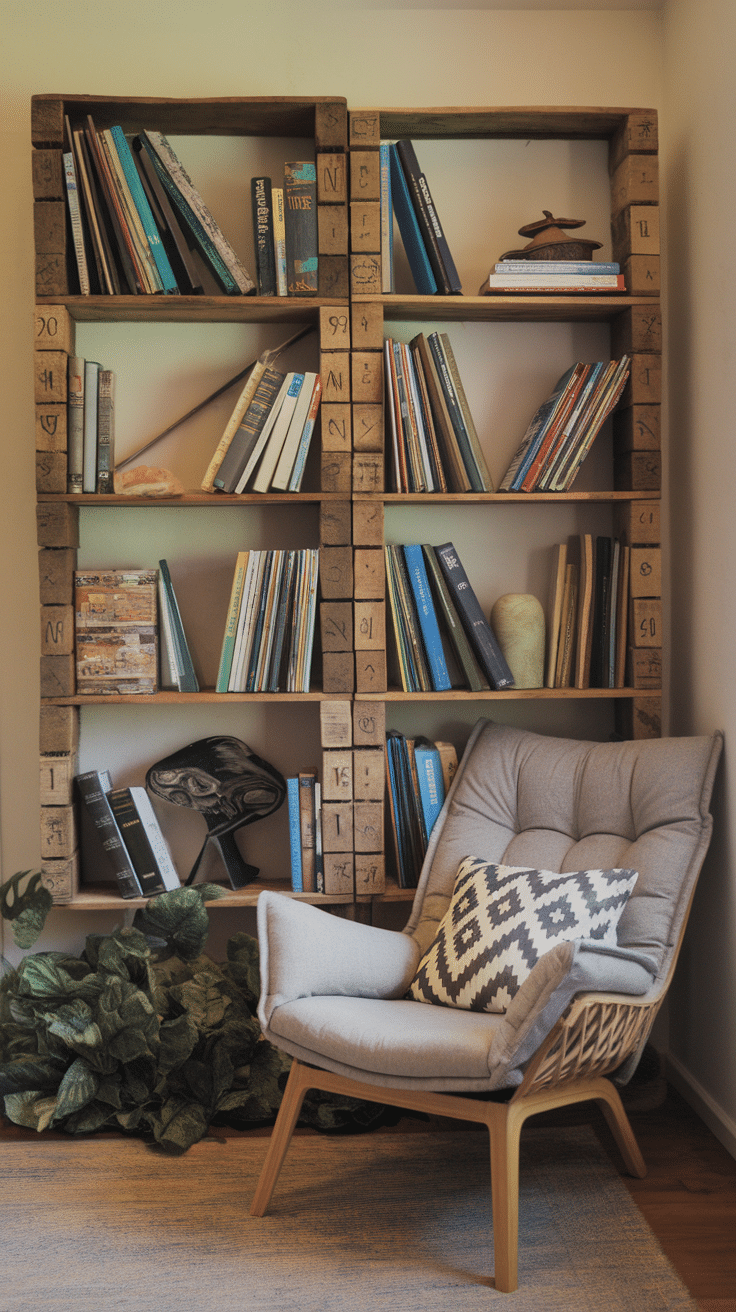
179, 1125
92, 1117
31, 1108
177, 1040
77, 1088
180, 918
26, 910
45, 976
74, 1026
30, 1073
243, 967
202, 999
125, 953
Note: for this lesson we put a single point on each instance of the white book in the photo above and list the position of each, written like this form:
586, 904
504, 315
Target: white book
282, 473
297, 473
168, 673
75, 219
274, 446
264, 435
159, 846
89, 467
246, 622
279, 240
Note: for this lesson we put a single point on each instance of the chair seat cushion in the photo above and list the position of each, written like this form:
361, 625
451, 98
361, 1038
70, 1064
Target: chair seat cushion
502, 919
388, 1038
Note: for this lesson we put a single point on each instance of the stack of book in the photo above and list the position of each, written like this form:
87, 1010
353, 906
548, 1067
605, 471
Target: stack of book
438, 621
139, 225
588, 614
266, 442
418, 777
116, 631
285, 232
435, 446
304, 798
409, 197
90, 426
121, 836
564, 427
584, 277
269, 632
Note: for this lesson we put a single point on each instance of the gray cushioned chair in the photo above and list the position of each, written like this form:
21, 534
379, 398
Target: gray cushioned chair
333, 991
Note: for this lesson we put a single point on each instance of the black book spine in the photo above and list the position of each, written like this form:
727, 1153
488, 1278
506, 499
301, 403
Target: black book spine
260, 189
300, 222
480, 634
601, 613
136, 841
92, 797
438, 251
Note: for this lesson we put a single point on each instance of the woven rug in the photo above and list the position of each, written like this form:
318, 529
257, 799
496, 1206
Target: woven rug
394, 1221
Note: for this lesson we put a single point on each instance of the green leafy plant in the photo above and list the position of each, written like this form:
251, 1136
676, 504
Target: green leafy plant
145, 1034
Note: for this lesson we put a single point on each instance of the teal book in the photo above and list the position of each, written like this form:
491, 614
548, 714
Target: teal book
430, 782
416, 251
300, 221
295, 836
417, 572
140, 201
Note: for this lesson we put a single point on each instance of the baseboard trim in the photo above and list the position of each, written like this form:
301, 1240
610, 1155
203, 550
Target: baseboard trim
717, 1120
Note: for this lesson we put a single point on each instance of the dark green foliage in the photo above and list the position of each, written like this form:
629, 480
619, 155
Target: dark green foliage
154, 1040
26, 911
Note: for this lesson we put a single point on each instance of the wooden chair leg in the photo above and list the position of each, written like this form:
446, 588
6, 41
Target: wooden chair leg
291, 1105
504, 1127
609, 1101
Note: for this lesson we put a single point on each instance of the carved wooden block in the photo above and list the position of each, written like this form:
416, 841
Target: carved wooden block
645, 576
367, 326
334, 329
49, 228
639, 718
47, 121
57, 630
365, 275
56, 780
365, 175
369, 724
336, 377
51, 272
59, 729
336, 723
638, 523
370, 672
370, 874
336, 573
638, 471
332, 230
367, 427
635, 182
51, 471
51, 429
365, 226
61, 878
57, 525
368, 523
50, 370
644, 384
364, 128
635, 231
336, 625
645, 667
368, 826
47, 167
58, 676
637, 330
53, 329
642, 275
337, 827
367, 376
58, 832
645, 622
332, 183
338, 672
56, 576
370, 573
370, 626
331, 125
638, 134
368, 471
339, 873
334, 276
335, 471
335, 524
638, 428
337, 776
336, 426
369, 774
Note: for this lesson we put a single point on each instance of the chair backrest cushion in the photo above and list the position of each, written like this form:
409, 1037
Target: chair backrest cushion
523, 799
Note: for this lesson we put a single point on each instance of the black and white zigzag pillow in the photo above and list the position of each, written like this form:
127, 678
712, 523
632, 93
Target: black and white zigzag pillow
502, 919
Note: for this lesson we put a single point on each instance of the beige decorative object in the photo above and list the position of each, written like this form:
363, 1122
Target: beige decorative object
148, 481
517, 619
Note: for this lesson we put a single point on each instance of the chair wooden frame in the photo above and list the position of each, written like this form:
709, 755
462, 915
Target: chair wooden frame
596, 1034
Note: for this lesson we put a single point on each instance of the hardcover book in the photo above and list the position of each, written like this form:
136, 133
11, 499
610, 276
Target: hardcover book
116, 631
103, 851
300, 221
411, 234
146, 845
482, 638
262, 206
438, 251
105, 431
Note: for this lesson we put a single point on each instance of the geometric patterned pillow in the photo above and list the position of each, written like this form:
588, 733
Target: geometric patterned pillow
502, 919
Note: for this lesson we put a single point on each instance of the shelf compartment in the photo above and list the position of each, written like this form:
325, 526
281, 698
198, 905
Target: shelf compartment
102, 897
193, 309
169, 697
516, 308
512, 694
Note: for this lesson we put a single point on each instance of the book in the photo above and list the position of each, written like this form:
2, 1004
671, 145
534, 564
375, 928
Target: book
475, 450
75, 423
74, 210
116, 631
387, 220
144, 841
231, 623
467, 663
554, 612
295, 838
417, 572
448, 762
438, 251
277, 436
585, 611
606, 398
482, 638
264, 436
279, 240
186, 679
407, 821
413, 668
246, 435
129, 269
300, 222
566, 637
262, 207
229, 270
430, 782
592, 267
187, 272
471, 455
140, 201
102, 849
105, 431
319, 862
601, 613
302, 411
622, 610
456, 474
300, 459
411, 234
307, 828
562, 283
89, 441
107, 275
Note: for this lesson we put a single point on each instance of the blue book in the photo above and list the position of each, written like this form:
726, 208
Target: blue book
411, 235
417, 571
430, 781
295, 836
387, 220
140, 201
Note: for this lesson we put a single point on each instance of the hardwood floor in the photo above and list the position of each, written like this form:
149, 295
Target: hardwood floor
688, 1196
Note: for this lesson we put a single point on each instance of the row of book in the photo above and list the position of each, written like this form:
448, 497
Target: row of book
267, 441
589, 277
139, 225
564, 427
405, 193
121, 836
588, 614
304, 801
434, 442
269, 633
285, 231
90, 426
439, 624
418, 777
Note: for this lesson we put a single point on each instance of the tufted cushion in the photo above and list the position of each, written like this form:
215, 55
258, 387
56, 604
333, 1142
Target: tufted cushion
502, 919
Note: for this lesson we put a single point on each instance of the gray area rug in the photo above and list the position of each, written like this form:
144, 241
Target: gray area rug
396, 1221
